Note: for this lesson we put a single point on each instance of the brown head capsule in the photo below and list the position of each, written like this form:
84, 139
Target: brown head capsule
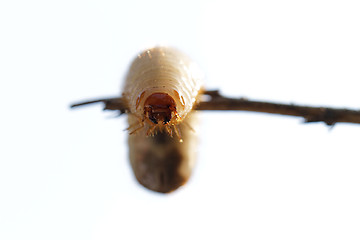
160, 108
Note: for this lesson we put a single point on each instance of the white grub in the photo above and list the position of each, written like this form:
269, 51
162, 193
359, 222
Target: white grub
161, 89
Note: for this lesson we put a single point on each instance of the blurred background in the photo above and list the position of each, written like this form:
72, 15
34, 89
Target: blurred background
64, 174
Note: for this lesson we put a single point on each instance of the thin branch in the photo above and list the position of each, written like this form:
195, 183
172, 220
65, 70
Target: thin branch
217, 102
115, 103
330, 116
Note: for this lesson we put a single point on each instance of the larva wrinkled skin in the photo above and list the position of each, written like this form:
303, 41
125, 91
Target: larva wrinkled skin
161, 89
162, 163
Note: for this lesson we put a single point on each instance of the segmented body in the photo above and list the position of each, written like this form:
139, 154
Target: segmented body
164, 70
161, 162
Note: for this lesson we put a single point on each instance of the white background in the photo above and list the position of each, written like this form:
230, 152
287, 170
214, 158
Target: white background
65, 174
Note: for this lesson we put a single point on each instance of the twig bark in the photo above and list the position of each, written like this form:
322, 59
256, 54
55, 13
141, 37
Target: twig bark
328, 115
217, 102
115, 103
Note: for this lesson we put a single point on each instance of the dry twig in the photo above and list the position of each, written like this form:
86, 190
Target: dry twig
217, 102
